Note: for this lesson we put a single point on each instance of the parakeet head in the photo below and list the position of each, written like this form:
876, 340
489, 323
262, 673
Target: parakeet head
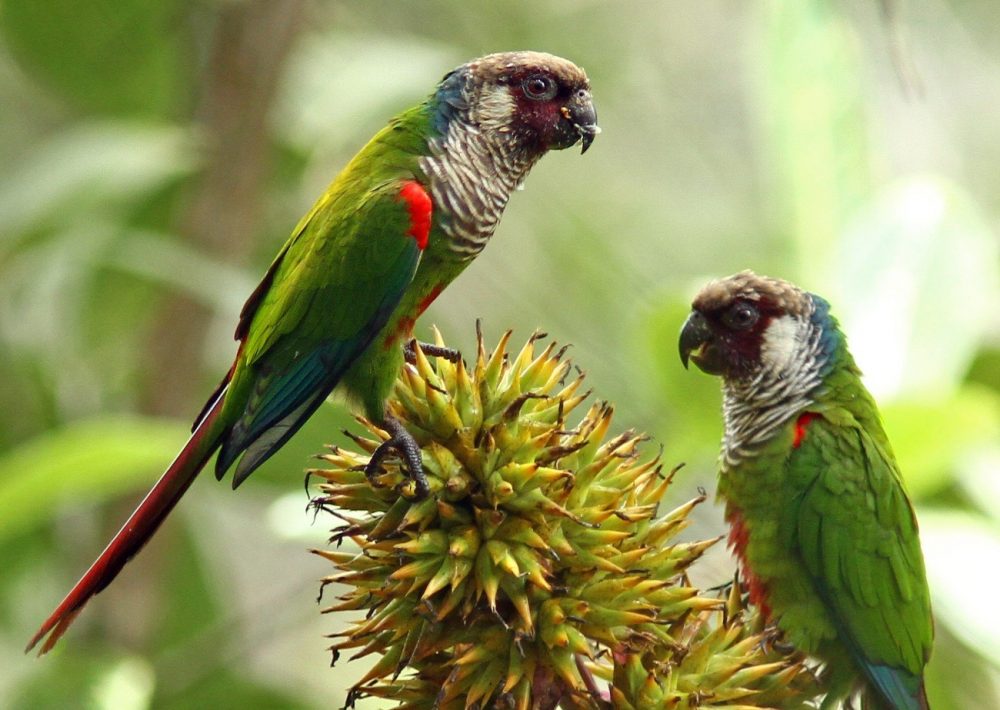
748, 328
536, 101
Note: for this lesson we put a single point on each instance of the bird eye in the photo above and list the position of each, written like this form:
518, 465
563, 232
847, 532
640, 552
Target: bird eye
741, 316
539, 87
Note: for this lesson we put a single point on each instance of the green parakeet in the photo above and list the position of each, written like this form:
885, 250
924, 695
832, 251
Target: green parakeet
338, 304
819, 519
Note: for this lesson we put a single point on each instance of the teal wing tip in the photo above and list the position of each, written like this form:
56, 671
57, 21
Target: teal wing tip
903, 690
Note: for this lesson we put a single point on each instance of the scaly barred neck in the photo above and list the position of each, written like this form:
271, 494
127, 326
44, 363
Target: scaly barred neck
472, 174
755, 408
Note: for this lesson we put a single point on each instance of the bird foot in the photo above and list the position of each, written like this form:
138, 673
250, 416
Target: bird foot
774, 638
724, 587
403, 442
599, 697
410, 351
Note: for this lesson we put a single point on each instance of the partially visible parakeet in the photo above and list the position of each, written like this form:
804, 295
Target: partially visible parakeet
819, 518
338, 305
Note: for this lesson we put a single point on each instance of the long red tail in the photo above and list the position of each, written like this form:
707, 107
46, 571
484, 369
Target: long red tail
140, 526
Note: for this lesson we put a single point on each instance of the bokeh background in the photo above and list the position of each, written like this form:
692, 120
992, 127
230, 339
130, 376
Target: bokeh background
155, 153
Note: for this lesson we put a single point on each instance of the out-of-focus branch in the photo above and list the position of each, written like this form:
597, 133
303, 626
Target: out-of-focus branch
250, 44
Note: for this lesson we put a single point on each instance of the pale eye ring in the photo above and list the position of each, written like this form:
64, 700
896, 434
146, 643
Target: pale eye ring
741, 316
539, 87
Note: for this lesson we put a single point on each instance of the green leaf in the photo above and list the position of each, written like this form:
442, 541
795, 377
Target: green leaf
958, 548
90, 166
930, 437
919, 282
112, 56
813, 113
223, 688
183, 268
979, 480
380, 77
688, 401
82, 463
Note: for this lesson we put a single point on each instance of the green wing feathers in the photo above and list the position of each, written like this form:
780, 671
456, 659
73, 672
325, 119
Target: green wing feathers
325, 298
858, 538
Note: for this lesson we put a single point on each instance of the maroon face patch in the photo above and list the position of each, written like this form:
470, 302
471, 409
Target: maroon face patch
542, 98
739, 328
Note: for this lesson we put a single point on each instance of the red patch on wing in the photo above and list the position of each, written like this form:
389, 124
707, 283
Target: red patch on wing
418, 202
403, 332
739, 536
800, 427
404, 329
429, 299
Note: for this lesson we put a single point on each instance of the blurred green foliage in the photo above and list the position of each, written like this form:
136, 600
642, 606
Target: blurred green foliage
155, 153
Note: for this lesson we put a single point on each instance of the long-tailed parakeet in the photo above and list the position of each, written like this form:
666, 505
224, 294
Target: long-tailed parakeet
819, 519
338, 304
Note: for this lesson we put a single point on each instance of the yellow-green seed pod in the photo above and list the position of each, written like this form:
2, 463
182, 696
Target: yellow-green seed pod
537, 571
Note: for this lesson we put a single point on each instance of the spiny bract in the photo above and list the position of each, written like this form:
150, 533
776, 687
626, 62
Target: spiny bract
537, 572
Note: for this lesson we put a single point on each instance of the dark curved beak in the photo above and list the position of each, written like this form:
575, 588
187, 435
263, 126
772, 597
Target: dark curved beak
697, 344
580, 112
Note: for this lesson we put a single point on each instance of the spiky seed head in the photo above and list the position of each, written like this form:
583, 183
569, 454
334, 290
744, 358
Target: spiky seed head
538, 570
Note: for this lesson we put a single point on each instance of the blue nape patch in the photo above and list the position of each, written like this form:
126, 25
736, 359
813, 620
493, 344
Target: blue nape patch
450, 98
831, 337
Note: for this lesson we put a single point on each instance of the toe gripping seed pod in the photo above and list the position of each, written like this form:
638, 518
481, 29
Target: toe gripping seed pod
537, 573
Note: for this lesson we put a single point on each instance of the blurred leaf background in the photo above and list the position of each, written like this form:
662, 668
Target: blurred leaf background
155, 153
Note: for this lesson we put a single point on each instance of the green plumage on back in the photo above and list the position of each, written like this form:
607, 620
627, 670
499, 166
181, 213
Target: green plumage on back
820, 519
331, 289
